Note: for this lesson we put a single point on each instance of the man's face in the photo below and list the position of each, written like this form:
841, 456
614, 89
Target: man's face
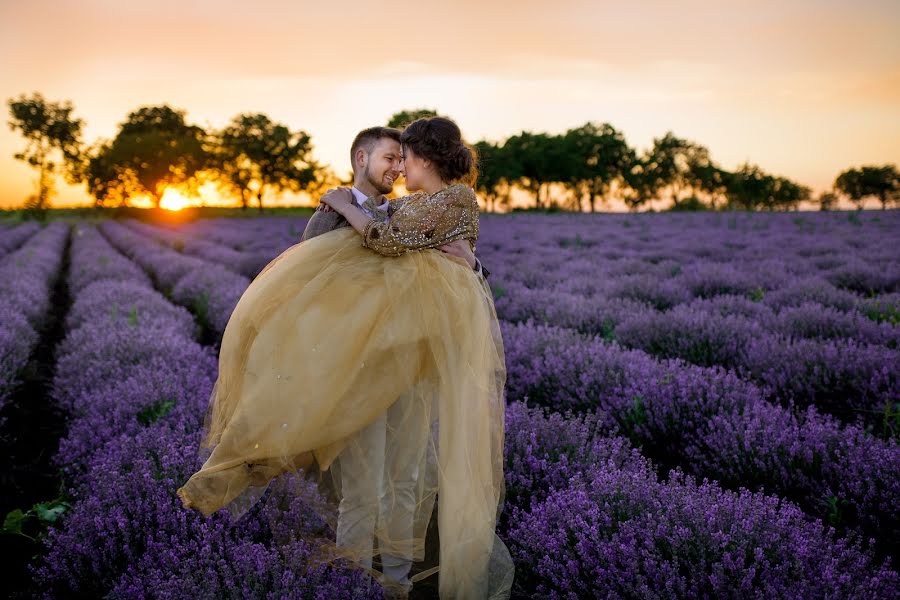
383, 165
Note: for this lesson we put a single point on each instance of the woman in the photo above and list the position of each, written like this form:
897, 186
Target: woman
331, 333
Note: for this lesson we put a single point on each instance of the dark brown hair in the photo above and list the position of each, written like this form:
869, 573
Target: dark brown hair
368, 137
439, 140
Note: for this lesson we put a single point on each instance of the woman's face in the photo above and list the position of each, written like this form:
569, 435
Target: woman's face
413, 168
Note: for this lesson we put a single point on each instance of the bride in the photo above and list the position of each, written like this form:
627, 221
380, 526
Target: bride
334, 330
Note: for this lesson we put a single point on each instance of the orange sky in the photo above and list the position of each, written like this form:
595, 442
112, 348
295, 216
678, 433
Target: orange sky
804, 90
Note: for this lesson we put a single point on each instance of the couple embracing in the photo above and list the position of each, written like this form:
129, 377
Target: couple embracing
371, 352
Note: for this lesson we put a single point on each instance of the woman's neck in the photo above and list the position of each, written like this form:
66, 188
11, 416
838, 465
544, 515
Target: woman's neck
432, 187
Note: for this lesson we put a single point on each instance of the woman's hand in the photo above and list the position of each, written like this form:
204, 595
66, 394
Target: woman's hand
459, 249
338, 199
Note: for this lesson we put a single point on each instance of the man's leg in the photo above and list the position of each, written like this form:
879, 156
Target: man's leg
361, 468
407, 430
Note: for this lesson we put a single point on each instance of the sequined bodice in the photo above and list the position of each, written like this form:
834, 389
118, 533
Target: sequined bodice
424, 220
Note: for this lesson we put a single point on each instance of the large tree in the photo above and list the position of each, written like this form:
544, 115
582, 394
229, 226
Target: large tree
749, 187
255, 156
51, 134
597, 156
536, 161
154, 149
674, 165
882, 182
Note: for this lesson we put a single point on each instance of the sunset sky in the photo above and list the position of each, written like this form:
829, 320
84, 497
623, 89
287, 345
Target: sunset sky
804, 89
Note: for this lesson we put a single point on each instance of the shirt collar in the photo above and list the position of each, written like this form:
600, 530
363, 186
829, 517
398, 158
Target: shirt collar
361, 198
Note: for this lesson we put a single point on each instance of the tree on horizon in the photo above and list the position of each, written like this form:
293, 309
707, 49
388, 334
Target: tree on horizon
154, 149
254, 155
50, 131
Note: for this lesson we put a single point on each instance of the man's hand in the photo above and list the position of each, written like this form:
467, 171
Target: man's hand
460, 249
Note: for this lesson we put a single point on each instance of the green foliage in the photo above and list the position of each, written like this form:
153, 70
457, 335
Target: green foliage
41, 514
595, 157
691, 204
836, 508
201, 308
577, 242
883, 182
154, 149
401, 119
634, 418
152, 413
891, 420
881, 313
750, 188
254, 156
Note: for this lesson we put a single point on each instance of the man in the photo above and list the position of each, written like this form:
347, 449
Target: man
388, 495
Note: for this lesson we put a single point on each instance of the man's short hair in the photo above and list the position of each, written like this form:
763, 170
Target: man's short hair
367, 138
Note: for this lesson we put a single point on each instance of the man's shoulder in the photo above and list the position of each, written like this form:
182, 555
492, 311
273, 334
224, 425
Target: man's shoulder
323, 222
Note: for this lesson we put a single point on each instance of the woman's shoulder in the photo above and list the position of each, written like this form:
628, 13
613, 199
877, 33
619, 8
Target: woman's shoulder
458, 193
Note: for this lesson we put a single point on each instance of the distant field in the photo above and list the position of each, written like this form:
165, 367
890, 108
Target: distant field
645, 353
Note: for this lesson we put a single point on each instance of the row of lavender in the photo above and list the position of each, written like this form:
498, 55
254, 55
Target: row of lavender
764, 306
244, 248
136, 384
12, 237
27, 276
542, 466
209, 290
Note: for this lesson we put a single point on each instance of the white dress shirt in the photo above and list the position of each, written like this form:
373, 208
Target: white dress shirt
360, 198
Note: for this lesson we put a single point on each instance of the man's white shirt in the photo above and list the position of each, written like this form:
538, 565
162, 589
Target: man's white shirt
361, 198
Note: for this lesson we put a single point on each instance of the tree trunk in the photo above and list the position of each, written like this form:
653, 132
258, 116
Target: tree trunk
259, 196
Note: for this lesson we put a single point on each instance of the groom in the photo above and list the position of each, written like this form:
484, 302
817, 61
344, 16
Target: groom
375, 156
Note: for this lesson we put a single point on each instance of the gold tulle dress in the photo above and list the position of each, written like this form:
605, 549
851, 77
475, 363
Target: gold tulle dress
329, 335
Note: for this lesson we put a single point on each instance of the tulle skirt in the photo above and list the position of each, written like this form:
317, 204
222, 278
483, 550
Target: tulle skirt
323, 343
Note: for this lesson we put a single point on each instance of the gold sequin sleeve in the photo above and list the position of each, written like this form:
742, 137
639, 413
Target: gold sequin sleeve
425, 221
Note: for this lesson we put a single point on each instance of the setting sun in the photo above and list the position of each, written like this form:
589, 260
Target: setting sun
174, 200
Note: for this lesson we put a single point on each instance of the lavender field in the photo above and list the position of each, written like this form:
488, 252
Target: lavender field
700, 406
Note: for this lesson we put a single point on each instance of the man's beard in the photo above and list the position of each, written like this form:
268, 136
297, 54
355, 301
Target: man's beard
379, 184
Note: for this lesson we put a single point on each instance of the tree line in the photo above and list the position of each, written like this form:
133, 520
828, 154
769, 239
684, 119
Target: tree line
253, 158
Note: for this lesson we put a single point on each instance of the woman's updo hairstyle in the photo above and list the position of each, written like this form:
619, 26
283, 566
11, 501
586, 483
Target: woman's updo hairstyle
439, 140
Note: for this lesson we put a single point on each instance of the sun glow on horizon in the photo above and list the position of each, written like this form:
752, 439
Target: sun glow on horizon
174, 200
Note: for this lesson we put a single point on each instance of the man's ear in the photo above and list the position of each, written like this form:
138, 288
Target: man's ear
360, 158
